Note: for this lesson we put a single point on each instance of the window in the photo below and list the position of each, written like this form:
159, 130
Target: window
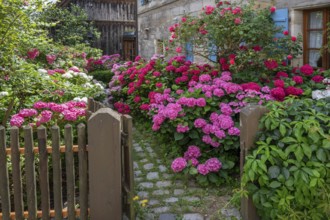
144, 2
315, 37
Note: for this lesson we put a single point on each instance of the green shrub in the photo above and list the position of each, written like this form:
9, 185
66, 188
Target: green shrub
104, 76
288, 173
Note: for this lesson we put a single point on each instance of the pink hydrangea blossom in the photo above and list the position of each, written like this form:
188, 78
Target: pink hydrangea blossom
192, 152
298, 80
220, 134
317, 78
307, 70
225, 122
194, 162
40, 105
69, 115
178, 164
27, 113
209, 9
213, 164
202, 169
182, 129
200, 102
46, 116
199, 123
226, 109
234, 131
16, 120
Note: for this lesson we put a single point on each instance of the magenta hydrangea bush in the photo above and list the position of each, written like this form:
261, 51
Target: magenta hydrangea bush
49, 112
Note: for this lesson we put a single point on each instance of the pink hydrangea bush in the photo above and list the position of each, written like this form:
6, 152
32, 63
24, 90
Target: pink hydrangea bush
49, 112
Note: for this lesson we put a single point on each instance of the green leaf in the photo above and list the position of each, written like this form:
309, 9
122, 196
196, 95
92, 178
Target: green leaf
213, 178
320, 155
299, 154
326, 144
178, 136
273, 172
275, 184
282, 130
288, 140
307, 150
193, 171
193, 134
313, 182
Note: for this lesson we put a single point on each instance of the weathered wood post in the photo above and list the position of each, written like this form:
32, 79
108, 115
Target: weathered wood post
104, 152
249, 122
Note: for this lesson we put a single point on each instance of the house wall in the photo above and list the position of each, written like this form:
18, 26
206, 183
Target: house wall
112, 18
155, 17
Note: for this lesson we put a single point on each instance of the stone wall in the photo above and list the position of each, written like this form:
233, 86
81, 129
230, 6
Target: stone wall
155, 17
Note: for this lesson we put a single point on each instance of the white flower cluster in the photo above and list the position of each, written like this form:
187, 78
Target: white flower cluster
71, 74
320, 94
78, 99
3, 94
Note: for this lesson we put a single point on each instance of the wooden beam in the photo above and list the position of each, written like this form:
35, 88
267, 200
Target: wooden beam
49, 150
39, 214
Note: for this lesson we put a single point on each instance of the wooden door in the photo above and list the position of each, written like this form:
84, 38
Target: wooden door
129, 49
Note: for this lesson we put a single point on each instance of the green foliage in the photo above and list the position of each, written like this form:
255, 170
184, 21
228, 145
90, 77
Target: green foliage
104, 76
18, 32
288, 173
69, 26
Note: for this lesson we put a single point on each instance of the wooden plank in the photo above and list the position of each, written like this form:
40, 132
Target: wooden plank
83, 181
4, 180
105, 186
249, 121
57, 173
49, 150
17, 174
39, 214
30, 174
43, 169
91, 105
128, 165
69, 162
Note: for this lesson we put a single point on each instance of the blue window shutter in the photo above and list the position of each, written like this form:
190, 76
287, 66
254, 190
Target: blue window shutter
281, 19
142, 2
213, 52
189, 52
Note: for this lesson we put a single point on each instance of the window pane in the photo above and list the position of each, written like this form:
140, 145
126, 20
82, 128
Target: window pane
315, 39
316, 20
315, 60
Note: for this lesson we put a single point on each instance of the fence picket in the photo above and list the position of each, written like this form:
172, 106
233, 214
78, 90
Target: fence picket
43, 167
4, 180
128, 165
83, 181
17, 174
57, 173
30, 174
104, 154
69, 162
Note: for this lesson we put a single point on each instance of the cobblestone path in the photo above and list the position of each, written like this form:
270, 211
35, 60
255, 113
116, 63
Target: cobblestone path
172, 198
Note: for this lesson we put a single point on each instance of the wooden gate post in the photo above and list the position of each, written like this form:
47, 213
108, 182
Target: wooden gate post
249, 122
104, 152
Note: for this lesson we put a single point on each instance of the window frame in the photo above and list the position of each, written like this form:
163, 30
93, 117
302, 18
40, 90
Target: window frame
306, 30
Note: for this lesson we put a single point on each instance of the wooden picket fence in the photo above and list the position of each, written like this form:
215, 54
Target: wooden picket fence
105, 170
